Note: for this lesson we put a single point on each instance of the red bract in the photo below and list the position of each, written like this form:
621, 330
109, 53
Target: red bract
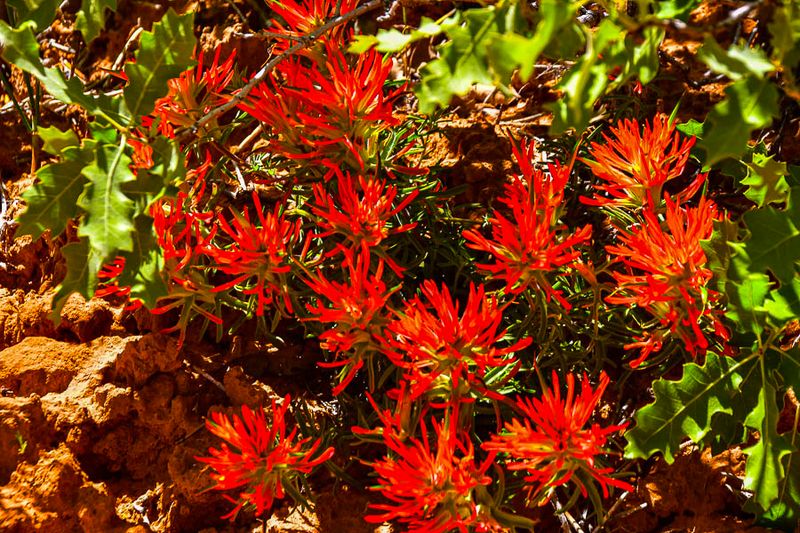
360, 212
667, 276
111, 287
531, 243
635, 165
551, 443
447, 349
357, 314
304, 17
258, 458
328, 114
431, 490
258, 256
192, 94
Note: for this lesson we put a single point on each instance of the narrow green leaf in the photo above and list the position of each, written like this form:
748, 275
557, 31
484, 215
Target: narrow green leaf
163, 54
685, 408
91, 18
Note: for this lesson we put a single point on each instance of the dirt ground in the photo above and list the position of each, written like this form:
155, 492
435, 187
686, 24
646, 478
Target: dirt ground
101, 416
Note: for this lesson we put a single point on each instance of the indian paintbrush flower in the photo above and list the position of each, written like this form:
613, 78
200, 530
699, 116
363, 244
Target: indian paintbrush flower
551, 444
258, 458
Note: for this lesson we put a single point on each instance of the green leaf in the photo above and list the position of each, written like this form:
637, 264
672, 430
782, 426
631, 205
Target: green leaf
784, 513
41, 12
143, 265
150, 184
765, 180
55, 140
736, 62
91, 18
692, 128
750, 103
392, 40
585, 82
163, 54
108, 221
680, 9
509, 51
82, 268
764, 472
22, 49
783, 304
53, 200
774, 242
685, 408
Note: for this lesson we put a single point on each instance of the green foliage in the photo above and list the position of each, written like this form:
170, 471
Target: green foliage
22, 49
53, 201
764, 472
750, 103
91, 18
40, 12
685, 408
107, 222
82, 268
163, 54
765, 180
774, 242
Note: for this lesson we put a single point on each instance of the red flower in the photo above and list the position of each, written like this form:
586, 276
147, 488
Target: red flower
304, 17
112, 287
360, 212
330, 114
530, 244
263, 459
357, 315
192, 94
447, 350
431, 490
666, 274
635, 165
551, 443
258, 256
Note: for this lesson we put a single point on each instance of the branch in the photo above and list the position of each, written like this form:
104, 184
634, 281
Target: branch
304, 42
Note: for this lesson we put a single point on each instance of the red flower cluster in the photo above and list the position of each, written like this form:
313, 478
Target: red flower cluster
327, 114
666, 275
444, 350
361, 213
531, 243
433, 490
263, 459
303, 18
258, 256
551, 443
635, 165
357, 314
192, 94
